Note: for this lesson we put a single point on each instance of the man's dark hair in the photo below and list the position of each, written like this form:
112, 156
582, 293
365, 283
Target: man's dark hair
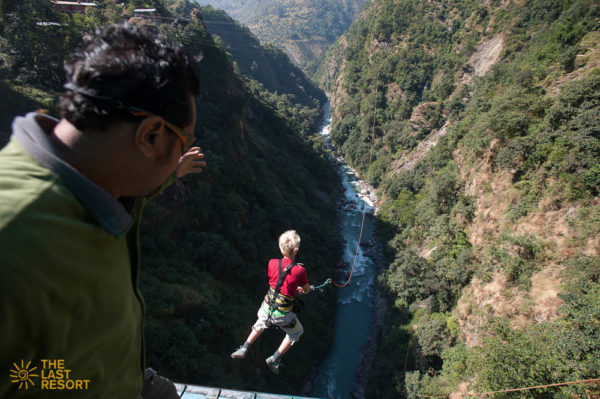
124, 66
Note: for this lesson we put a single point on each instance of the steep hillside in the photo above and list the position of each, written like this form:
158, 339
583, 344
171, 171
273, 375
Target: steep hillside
268, 65
303, 29
207, 240
486, 156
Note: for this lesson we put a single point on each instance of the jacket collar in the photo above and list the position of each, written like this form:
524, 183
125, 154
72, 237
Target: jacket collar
108, 211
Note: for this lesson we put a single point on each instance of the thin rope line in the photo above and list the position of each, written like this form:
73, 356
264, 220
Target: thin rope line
362, 224
536, 387
515, 389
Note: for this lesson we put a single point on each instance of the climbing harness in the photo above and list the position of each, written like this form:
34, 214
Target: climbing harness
278, 301
364, 212
274, 298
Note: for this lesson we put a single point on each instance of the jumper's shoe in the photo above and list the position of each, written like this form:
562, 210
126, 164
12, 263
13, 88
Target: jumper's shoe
240, 353
273, 365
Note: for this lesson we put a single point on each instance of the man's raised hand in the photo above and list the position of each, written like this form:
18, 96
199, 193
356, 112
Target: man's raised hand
191, 162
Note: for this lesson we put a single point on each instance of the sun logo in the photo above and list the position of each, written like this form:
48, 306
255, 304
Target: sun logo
23, 374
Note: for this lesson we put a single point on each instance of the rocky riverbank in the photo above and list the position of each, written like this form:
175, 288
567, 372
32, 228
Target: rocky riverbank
353, 354
374, 250
365, 189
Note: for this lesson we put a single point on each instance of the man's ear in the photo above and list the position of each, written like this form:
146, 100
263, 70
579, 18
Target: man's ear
147, 135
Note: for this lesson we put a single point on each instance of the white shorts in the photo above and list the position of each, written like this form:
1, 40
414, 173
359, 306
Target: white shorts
289, 323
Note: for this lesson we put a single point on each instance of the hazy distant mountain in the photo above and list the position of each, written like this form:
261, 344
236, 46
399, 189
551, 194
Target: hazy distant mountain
303, 28
268, 65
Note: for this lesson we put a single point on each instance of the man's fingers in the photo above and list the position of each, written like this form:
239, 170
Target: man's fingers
194, 150
198, 155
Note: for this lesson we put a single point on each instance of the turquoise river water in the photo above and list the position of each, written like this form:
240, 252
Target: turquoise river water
337, 374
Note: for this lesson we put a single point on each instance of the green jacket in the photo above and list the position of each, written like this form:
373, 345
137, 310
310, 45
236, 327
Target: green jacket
69, 266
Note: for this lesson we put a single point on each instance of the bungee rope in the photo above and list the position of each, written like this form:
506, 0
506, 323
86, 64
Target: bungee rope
364, 212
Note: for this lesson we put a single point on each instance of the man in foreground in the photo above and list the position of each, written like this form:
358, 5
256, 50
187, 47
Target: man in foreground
71, 196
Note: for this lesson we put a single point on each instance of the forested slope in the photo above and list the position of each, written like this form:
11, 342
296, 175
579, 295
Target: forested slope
266, 64
207, 240
487, 159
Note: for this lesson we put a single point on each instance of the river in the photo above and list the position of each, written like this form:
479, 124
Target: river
336, 378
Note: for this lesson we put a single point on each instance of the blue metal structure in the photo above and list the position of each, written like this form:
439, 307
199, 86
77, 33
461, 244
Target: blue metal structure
199, 392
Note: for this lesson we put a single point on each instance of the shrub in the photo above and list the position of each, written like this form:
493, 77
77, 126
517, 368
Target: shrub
514, 153
406, 275
567, 58
580, 338
412, 384
399, 212
433, 335
509, 358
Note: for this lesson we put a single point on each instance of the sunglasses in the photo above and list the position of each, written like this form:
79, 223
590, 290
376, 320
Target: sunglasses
135, 111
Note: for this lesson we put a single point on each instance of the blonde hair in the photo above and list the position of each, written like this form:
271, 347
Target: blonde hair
289, 243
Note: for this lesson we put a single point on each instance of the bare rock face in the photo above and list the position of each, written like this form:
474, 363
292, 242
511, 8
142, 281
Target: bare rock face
483, 59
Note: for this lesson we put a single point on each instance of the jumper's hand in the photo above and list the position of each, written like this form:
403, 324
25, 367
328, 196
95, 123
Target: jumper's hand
190, 162
301, 290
